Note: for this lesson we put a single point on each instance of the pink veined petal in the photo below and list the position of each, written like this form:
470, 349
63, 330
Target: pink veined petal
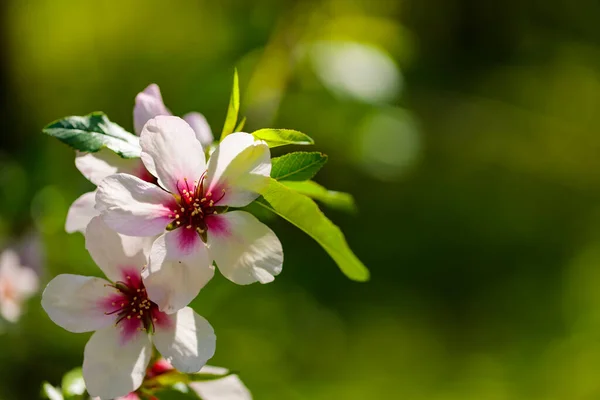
245, 249
114, 252
240, 166
133, 207
200, 126
148, 104
77, 303
97, 166
174, 278
111, 368
81, 213
189, 343
172, 153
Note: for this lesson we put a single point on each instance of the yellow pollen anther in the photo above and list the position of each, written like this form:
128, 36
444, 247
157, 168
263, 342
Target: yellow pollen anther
182, 209
129, 317
178, 223
139, 317
211, 203
208, 194
128, 277
189, 227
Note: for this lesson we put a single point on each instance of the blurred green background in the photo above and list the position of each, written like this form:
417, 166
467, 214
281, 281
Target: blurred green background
467, 130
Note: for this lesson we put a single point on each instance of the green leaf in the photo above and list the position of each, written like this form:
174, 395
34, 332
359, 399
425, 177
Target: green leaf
331, 198
72, 383
240, 126
173, 394
50, 392
281, 137
298, 166
92, 132
303, 212
204, 376
234, 107
175, 377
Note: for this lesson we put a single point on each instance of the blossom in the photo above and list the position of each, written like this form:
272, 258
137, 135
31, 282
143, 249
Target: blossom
17, 284
97, 166
230, 387
125, 318
189, 209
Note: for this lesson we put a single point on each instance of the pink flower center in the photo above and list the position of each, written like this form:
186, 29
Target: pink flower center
194, 206
135, 311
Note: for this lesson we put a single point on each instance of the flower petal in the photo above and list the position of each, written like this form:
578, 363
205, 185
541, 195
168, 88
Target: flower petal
174, 277
81, 213
245, 249
148, 104
97, 166
240, 166
171, 152
188, 343
10, 310
112, 368
228, 388
74, 302
17, 284
113, 252
134, 207
200, 126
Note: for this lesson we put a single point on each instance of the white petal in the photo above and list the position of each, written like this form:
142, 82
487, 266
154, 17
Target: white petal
148, 104
188, 343
228, 388
97, 166
81, 213
173, 279
10, 265
112, 368
200, 126
74, 302
241, 165
10, 310
17, 284
113, 252
245, 249
172, 153
134, 207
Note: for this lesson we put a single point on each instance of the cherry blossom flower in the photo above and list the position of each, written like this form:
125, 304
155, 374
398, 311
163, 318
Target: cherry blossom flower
189, 210
17, 284
126, 320
229, 387
97, 166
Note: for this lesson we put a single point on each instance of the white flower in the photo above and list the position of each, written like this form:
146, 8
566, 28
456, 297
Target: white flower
97, 166
17, 284
126, 319
189, 210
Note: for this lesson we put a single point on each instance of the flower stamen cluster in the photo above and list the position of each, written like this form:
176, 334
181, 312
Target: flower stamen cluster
193, 206
132, 305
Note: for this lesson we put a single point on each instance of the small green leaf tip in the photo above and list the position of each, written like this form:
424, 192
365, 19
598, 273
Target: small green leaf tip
234, 107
